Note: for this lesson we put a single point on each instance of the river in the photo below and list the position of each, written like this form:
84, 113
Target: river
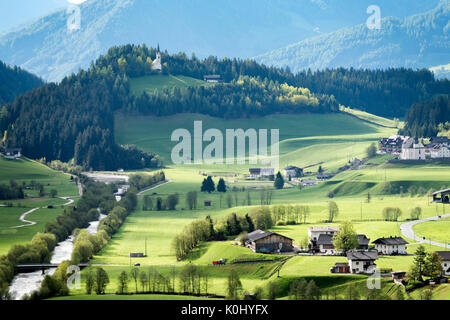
25, 283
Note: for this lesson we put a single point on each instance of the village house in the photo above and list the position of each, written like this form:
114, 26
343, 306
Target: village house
325, 245
362, 261
440, 151
392, 145
293, 172
412, 150
314, 233
445, 257
442, 196
390, 246
214, 78
262, 173
269, 242
12, 153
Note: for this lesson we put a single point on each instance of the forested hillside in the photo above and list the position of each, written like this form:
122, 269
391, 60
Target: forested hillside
77, 115
428, 118
14, 82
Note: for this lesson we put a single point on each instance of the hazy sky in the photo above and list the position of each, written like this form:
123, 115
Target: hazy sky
15, 12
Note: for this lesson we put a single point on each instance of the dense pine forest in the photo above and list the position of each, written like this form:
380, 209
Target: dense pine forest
428, 118
77, 115
15, 81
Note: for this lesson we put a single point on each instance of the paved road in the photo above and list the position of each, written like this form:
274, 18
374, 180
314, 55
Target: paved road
154, 187
407, 231
32, 223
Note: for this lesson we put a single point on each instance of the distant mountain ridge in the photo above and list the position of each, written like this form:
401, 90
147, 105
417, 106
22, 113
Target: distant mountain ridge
419, 41
232, 28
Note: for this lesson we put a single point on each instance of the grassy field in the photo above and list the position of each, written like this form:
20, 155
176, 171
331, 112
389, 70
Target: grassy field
25, 170
305, 139
438, 231
151, 84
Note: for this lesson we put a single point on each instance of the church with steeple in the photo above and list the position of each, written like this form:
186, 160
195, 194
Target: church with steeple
157, 64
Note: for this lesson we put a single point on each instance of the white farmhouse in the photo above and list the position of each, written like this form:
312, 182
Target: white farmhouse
445, 256
362, 261
412, 150
321, 239
390, 246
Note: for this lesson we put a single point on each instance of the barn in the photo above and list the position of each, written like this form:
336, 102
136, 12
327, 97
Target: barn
269, 242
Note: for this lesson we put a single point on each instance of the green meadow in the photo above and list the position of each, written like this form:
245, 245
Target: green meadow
438, 231
305, 140
153, 83
25, 170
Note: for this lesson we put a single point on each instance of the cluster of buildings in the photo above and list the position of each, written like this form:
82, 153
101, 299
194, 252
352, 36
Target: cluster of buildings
408, 148
12, 153
361, 260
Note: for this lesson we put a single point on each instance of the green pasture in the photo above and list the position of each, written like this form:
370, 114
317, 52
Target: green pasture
153, 83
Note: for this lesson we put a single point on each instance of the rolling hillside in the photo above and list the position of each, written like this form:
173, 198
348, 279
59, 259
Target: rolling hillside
232, 28
419, 41
305, 139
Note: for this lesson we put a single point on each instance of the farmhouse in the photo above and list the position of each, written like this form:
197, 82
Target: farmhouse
12, 153
445, 256
268, 242
362, 261
325, 245
412, 150
214, 78
325, 234
393, 144
442, 196
390, 246
293, 172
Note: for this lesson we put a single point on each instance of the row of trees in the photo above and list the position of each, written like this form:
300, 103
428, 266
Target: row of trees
161, 204
148, 180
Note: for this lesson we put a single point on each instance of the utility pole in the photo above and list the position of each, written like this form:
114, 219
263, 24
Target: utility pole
145, 246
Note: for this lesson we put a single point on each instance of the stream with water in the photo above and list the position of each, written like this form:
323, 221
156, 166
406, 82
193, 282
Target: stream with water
25, 283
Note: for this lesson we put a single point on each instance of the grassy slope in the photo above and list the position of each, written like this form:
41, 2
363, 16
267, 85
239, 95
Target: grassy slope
305, 139
435, 230
27, 170
151, 84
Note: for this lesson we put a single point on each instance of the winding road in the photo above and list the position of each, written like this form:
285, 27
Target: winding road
407, 230
32, 223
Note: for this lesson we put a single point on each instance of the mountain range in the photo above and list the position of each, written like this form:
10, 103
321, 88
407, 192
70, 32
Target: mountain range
232, 28
419, 41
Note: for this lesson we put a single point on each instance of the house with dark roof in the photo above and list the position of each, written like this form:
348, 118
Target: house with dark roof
390, 246
442, 196
293, 172
325, 245
445, 257
362, 261
269, 242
